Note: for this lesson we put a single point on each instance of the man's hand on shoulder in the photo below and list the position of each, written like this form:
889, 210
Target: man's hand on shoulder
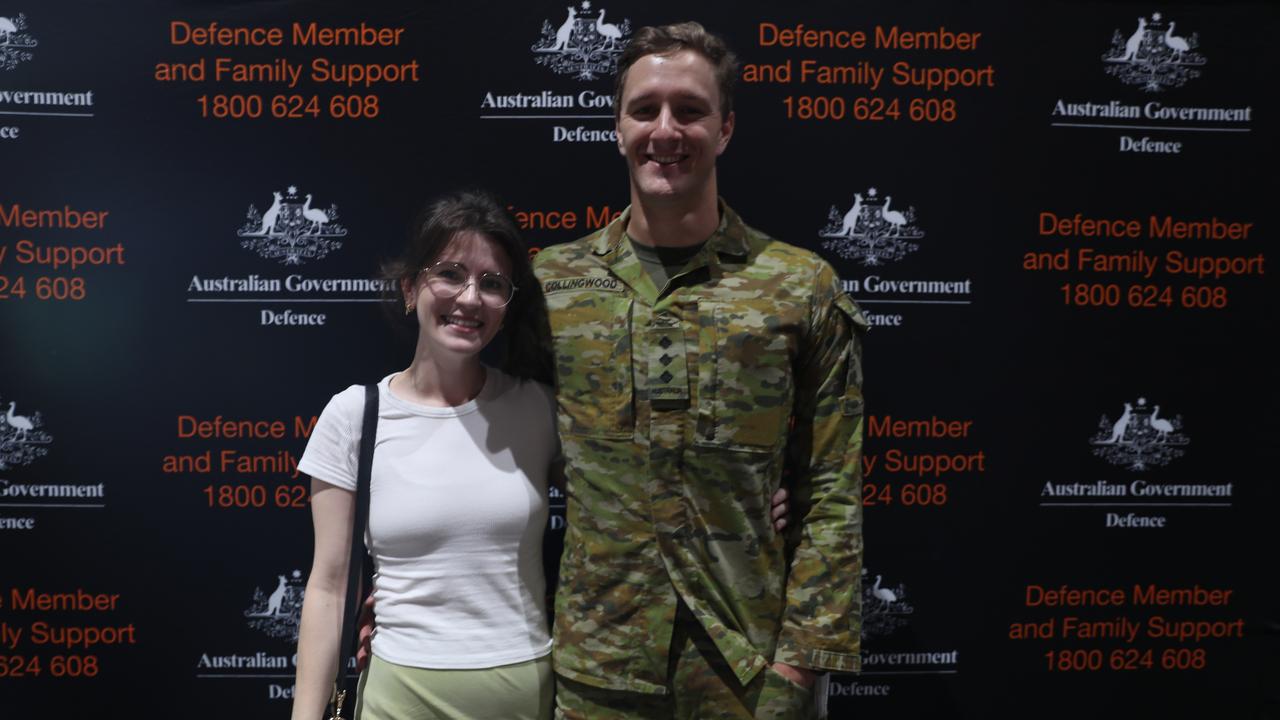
366, 623
804, 677
780, 510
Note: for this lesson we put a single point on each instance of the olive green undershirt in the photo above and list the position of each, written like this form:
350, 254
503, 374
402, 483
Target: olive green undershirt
661, 263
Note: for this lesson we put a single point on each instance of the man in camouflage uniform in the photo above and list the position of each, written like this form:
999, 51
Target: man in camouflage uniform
696, 358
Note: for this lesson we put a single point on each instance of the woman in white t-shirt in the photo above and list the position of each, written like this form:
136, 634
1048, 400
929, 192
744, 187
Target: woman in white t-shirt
458, 496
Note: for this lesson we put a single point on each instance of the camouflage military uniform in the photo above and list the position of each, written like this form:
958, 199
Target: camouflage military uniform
678, 410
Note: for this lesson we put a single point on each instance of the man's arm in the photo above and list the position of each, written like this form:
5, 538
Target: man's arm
822, 618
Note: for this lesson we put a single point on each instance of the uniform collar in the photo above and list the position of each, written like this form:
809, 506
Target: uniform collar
729, 238
612, 246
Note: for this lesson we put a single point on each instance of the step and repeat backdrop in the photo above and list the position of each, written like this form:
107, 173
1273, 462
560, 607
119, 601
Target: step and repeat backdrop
1057, 217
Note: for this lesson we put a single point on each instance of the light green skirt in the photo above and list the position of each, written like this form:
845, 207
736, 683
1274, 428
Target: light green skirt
522, 691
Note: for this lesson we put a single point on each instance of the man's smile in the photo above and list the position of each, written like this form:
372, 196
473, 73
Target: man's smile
664, 159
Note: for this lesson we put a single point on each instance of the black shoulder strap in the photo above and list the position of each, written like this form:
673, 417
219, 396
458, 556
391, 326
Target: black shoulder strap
355, 567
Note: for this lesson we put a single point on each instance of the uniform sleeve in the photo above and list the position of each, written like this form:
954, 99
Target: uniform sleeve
822, 620
331, 454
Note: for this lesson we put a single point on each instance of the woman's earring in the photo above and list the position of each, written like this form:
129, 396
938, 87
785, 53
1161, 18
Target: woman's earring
408, 308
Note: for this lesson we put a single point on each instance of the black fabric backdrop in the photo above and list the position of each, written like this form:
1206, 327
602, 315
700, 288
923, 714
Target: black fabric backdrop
1035, 549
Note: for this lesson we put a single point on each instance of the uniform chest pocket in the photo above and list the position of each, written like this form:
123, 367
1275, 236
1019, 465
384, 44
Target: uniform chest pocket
745, 376
592, 335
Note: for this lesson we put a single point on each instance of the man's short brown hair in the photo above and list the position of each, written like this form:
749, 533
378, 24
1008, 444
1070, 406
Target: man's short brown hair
671, 39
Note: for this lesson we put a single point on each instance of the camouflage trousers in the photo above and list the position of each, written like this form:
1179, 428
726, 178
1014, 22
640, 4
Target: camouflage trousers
701, 685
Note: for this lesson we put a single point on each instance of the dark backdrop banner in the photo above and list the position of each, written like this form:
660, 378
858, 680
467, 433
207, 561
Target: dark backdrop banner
1053, 213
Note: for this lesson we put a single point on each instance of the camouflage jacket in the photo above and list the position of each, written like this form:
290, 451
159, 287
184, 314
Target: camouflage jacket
679, 409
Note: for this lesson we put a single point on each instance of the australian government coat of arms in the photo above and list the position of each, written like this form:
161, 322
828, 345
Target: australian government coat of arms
22, 437
15, 42
291, 230
583, 45
1153, 56
277, 613
1140, 438
872, 230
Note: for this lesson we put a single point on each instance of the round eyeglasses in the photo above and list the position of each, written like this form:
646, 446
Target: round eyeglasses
450, 279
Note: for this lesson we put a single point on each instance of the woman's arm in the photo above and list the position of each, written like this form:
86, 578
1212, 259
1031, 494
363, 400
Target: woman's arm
332, 512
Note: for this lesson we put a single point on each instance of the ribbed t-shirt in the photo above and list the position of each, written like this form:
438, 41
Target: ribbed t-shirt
457, 509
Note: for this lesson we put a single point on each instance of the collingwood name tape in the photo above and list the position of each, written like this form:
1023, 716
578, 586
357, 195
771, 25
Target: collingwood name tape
607, 284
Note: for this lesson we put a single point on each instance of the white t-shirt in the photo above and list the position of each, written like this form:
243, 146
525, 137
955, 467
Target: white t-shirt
457, 509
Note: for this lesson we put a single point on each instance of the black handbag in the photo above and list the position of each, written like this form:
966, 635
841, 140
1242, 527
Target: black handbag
356, 564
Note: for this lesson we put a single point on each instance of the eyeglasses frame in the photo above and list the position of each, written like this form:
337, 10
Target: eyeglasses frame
471, 280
